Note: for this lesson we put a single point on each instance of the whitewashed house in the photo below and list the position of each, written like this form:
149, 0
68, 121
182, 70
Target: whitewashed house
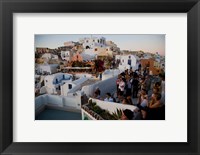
53, 83
97, 46
126, 61
66, 55
46, 69
87, 56
147, 56
72, 86
112, 46
69, 44
49, 56
91, 43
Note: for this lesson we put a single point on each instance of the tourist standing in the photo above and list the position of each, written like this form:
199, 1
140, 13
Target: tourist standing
128, 86
121, 87
135, 85
108, 98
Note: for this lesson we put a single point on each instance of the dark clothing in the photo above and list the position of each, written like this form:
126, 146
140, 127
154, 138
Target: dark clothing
135, 75
156, 113
139, 67
98, 92
128, 91
135, 85
148, 84
121, 93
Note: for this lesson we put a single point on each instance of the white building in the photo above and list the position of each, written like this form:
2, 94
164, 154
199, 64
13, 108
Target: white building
126, 61
147, 56
72, 86
62, 84
95, 47
113, 46
91, 43
87, 56
57, 79
46, 69
49, 56
66, 55
69, 44
53, 83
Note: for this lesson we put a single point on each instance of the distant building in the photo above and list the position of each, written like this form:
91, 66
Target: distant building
42, 50
77, 57
66, 55
112, 46
98, 47
69, 44
91, 43
154, 66
147, 56
46, 69
48, 56
126, 61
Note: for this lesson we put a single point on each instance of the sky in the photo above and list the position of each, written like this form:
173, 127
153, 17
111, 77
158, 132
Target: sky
146, 42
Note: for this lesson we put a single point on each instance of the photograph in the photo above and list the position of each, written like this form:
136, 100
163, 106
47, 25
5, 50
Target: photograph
99, 76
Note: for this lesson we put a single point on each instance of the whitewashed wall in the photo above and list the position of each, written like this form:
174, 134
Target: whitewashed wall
76, 85
54, 100
109, 73
108, 85
112, 106
73, 102
39, 101
79, 75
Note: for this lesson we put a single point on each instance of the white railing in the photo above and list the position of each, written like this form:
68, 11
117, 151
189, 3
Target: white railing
109, 106
112, 106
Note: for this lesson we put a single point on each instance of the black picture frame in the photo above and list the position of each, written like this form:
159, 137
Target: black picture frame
8, 7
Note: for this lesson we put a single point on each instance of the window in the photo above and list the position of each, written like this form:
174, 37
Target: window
69, 86
87, 47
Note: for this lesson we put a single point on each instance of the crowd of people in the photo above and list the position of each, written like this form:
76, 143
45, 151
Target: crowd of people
139, 88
